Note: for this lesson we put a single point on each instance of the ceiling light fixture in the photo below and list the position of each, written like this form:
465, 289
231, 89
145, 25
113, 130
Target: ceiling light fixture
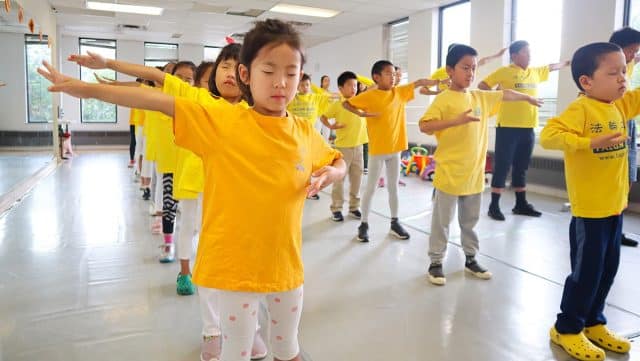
121, 8
304, 10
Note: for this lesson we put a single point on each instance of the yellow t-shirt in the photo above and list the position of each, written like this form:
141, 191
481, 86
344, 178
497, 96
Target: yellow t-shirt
151, 131
188, 179
365, 80
440, 74
257, 170
309, 106
388, 131
518, 114
597, 179
355, 131
630, 66
461, 152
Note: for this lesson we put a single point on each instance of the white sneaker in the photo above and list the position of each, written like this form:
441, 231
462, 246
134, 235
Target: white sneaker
167, 253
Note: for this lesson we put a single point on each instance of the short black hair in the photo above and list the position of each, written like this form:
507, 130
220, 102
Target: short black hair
625, 37
451, 46
586, 60
305, 77
379, 65
516, 46
230, 51
346, 76
457, 53
184, 64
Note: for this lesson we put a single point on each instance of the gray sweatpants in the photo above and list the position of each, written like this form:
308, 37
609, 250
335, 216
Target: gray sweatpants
392, 163
444, 206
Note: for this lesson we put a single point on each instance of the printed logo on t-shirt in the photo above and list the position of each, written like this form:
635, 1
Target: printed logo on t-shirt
302, 151
525, 85
477, 111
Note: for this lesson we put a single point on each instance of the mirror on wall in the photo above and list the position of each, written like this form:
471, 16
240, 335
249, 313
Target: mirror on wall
26, 120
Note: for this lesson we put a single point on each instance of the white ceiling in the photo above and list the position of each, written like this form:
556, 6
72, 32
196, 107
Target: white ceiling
206, 21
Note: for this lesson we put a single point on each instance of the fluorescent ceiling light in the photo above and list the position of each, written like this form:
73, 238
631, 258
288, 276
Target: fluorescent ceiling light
121, 8
304, 10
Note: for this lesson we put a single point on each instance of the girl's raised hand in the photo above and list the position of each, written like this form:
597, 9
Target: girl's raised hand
91, 60
322, 178
63, 83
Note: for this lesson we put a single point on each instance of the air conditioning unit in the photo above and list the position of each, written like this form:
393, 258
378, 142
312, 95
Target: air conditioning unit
130, 27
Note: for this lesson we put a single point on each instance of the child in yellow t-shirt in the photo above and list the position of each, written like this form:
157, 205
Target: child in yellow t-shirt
260, 156
458, 118
384, 108
516, 122
592, 133
351, 134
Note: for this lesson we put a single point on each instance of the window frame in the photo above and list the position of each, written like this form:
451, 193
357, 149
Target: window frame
404, 67
441, 10
44, 41
211, 47
161, 59
115, 48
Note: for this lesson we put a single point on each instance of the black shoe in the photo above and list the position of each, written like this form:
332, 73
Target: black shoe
398, 231
496, 214
146, 194
626, 241
363, 232
526, 210
472, 266
355, 214
436, 275
337, 217
315, 197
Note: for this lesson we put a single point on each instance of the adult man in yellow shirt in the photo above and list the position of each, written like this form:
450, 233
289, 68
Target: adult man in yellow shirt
514, 131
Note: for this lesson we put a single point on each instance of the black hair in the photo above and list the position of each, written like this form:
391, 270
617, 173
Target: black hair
268, 32
457, 53
346, 76
395, 67
625, 37
230, 51
451, 46
322, 78
305, 77
516, 46
182, 64
166, 65
379, 66
586, 60
201, 70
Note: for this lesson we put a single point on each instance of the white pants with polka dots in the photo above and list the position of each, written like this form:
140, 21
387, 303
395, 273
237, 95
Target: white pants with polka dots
239, 316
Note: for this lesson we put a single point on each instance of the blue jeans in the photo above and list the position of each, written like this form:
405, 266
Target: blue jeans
595, 255
514, 147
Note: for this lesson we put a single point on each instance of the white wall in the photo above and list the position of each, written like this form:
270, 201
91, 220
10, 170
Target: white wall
191, 52
334, 57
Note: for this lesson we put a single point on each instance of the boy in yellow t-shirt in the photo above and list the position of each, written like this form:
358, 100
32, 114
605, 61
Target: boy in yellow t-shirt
386, 125
351, 134
592, 134
458, 118
514, 131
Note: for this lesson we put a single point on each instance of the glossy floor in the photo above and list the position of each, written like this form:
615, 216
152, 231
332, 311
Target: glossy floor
80, 280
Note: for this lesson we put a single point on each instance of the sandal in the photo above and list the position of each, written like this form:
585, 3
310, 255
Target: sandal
577, 345
603, 337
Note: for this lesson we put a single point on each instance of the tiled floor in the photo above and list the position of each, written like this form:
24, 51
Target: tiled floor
80, 280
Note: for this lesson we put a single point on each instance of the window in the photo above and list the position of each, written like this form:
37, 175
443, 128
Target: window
632, 19
92, 110
159, 54
455, 27
399, 46
39, 108
544, 42
211, 53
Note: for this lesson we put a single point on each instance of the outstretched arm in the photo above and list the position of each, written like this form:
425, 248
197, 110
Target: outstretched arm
126, 96
426, 83
509, 95
431, 126
487, 59
558, 66
96, 61
107, 81
356, 111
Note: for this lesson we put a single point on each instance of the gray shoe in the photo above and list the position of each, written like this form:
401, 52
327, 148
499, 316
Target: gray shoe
472, 266
436, 275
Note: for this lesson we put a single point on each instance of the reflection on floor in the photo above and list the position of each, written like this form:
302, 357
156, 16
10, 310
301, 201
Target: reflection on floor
15, 167
81, 281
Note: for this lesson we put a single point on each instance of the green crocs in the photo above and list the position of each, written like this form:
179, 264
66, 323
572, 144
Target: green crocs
184, 286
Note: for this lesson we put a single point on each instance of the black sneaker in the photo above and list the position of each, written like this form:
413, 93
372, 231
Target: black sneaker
315, 197
626, 241
398, 231
363, 232
472, 266
526, 210
496, 214
337, 217
355, 214
436, 276
146, 194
